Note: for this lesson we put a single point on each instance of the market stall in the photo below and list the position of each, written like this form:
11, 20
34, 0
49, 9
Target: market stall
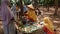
29, 22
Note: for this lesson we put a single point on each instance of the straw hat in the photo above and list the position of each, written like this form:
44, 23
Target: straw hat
30, 6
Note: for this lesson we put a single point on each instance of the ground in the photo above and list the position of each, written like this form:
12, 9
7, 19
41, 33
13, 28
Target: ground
55, 19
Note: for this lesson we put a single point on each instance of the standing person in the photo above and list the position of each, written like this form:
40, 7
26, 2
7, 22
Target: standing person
7, 17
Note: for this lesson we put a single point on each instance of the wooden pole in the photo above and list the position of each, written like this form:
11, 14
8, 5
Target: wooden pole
47, 8
21, 6
35, 3
56, 7
21, 12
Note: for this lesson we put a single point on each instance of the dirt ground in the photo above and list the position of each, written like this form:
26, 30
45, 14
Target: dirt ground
55, 19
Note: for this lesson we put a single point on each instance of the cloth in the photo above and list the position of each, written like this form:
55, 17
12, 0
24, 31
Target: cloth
0, 11
6, 29
48, 26
47, 31
5, 0
10, 28
6, 13
25, 8
31, 15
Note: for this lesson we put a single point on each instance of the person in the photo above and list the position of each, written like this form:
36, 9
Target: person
7, 17
37, 11
48, 26
13, 8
